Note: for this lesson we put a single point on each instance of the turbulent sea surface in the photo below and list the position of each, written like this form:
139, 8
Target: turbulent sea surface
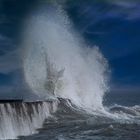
69, 123
68, 77
60, 119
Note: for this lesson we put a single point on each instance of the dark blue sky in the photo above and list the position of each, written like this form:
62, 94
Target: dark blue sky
113, 26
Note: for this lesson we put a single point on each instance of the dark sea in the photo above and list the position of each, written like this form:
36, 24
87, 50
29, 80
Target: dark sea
72, 124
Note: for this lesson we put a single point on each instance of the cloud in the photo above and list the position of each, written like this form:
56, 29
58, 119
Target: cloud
10, 62
11, 92
10, 59
124, 3
129, 9
6, 45
125, 89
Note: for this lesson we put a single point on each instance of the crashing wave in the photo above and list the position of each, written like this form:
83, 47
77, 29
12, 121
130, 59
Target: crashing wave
23, 118
58, 63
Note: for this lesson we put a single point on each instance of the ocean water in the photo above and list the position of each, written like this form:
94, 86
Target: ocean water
69, 123
70, 80
62, 120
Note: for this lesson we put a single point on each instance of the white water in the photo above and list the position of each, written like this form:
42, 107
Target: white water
50, 35
50, 32
23, 118
53, 50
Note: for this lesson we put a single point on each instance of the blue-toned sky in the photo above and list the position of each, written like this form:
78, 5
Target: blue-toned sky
111, 25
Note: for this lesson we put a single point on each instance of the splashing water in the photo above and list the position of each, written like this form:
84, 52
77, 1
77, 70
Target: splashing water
53, 45
23, 119
58, 63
